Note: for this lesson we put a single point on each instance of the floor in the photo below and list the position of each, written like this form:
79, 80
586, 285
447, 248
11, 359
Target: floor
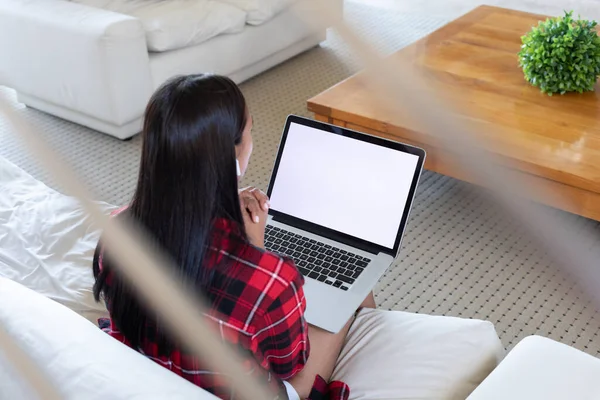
461, 256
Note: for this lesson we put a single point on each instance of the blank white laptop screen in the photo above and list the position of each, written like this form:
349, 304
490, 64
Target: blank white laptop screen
345, 184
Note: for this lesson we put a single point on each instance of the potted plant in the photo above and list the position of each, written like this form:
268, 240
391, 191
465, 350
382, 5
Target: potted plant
561, 55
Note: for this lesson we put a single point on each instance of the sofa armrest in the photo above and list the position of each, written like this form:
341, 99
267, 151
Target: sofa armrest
85, 59
538, 368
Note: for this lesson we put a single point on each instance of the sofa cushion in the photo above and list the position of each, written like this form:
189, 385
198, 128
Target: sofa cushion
47, 241
243, 55
400, 355
81, 360
260, 11
174, 24
538, 368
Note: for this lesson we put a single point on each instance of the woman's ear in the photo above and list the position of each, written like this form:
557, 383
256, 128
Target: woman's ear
237, 168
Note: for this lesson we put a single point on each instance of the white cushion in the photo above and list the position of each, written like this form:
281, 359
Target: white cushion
399, 355
174, 24
542, 369
47, 241
260, 11
81, 360
238, 55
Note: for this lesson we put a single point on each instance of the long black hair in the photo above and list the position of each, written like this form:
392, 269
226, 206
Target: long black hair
187, 180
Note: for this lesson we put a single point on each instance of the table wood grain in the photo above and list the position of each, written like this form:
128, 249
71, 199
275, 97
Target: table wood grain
552, 143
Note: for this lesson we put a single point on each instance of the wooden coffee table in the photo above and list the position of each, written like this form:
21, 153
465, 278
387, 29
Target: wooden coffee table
553, 143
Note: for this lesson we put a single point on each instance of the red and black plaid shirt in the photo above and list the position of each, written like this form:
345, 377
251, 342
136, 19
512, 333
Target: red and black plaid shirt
259, 307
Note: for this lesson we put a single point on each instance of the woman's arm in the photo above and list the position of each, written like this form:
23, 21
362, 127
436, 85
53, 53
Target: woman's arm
281, 340
284, 340
369, 302
325, 350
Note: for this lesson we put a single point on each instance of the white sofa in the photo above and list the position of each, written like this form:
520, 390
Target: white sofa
46, 248
388, 355
92, 66
83, 362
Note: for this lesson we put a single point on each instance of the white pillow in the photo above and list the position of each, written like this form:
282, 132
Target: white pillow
174, 24
47, 241
260, 11
400, 355
81, 360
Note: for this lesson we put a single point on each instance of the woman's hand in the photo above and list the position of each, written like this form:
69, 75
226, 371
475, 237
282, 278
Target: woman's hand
255, 207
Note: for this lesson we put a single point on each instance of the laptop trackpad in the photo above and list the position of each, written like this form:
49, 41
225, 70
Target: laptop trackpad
327, 307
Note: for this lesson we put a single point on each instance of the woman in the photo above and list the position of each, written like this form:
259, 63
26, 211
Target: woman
197, 142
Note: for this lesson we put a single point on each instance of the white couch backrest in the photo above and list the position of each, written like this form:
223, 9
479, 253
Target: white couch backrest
176, 24
260, 11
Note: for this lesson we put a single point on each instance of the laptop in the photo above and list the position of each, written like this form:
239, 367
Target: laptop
340, 201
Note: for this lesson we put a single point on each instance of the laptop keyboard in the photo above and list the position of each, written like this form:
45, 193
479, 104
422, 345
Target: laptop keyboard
325, 263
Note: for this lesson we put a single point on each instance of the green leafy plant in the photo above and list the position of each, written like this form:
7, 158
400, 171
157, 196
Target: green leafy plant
562, 55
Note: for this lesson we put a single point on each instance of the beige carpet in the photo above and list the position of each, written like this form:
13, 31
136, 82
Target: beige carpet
460, 255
